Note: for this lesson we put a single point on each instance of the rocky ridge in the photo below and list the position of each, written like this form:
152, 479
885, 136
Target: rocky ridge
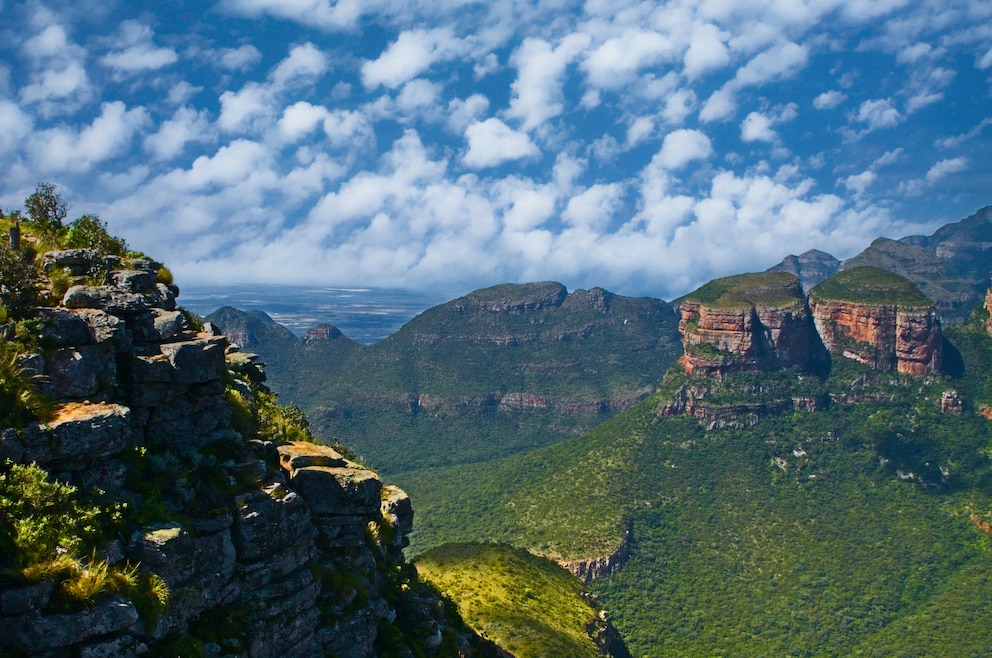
296, 544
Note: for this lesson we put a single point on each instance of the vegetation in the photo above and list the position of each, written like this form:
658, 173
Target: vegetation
777, 289
742, 538
528, 606
869, 285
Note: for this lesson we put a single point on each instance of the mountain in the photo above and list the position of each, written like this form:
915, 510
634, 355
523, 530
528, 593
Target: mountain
503, 369
854, 526
953, 296
810, 266
965, 246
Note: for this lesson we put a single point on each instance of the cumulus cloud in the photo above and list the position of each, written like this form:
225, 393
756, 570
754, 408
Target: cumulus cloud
946, 168
492, 142
780, 61
186, 126
65, 149
537, 94
707, 51
828, 100
58, 79
878, 114
326, 14
682, 147
239, 59
138, 51
613, 63
413, 52
15, 125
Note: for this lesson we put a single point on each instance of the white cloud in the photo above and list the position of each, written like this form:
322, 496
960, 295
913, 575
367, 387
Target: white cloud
757, 127
985, 61
238, 109
326, 14
241, 58
878, 114
594, 207
614, 62
492, 142
679, 104
464, 112
537, 94
858, 183
682, 147
781, 61
301, 119
828, 100
64, 149
181, 92
139, 52
639, 130
707, 51
186, 125
887, 158
303, 64
946, 168
413, 52
15, 125
58, 83
914, 53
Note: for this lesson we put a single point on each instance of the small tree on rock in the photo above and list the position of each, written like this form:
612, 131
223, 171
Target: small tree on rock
46, 210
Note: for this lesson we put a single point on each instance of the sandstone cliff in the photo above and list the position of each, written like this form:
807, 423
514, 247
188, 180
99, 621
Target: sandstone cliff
267, 547
878, 318
748, 322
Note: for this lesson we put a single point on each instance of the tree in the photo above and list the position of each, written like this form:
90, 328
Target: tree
46, 209
89, 231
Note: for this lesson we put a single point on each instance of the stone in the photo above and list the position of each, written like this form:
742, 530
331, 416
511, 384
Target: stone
296, 455
198, 360
79, 434
79, 262
34, 633
339, 491
26, 599
80, 372
140, 281
64, 327
269, 520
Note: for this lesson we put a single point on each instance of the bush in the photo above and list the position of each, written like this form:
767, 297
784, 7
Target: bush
90, 232
20, 400
46, 211
18, 282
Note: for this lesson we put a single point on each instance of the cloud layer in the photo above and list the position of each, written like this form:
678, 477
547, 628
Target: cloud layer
641, 146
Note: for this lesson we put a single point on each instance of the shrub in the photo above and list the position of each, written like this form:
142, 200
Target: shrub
20, 400
18, 281
40, 518
46, 211
90, 232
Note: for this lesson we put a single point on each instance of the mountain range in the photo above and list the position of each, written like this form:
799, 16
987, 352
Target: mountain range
560, 422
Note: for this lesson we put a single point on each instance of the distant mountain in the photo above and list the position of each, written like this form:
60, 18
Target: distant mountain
500, 370
954, 297
810, 266
964, 246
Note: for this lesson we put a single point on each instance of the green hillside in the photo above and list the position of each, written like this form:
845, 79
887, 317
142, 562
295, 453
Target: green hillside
774, 289
526, 605
852, 531
869, 285
502, 370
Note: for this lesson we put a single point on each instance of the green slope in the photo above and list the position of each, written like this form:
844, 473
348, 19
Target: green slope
834, 533
524, 604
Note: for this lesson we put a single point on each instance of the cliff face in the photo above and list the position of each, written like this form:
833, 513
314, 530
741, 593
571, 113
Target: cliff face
267, 548
880, 319
748, 322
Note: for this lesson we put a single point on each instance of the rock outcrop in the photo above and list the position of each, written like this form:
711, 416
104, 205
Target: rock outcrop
880, 319
764, 322
279, 549
748, 322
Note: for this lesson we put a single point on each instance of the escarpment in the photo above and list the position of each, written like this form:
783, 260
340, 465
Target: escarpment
749, 322
764, 322
880, 319
262, 546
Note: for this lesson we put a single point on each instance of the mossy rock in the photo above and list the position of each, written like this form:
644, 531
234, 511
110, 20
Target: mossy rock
869, 285
769, 289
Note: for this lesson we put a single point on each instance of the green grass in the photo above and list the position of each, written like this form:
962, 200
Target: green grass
869, 285
778, 289
526, 605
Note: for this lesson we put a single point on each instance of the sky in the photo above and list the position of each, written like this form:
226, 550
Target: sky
643, 147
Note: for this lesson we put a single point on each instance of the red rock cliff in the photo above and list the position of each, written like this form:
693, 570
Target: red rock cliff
886, 336
748, 322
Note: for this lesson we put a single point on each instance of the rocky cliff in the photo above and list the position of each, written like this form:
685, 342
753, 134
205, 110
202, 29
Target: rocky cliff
266, 547
810, 266
880, 319
764, 322
748, 322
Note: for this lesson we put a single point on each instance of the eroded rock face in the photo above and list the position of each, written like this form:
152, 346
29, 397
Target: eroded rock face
289, 557
765, 326
886, 337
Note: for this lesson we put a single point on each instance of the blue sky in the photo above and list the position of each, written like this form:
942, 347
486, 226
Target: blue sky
644, 147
